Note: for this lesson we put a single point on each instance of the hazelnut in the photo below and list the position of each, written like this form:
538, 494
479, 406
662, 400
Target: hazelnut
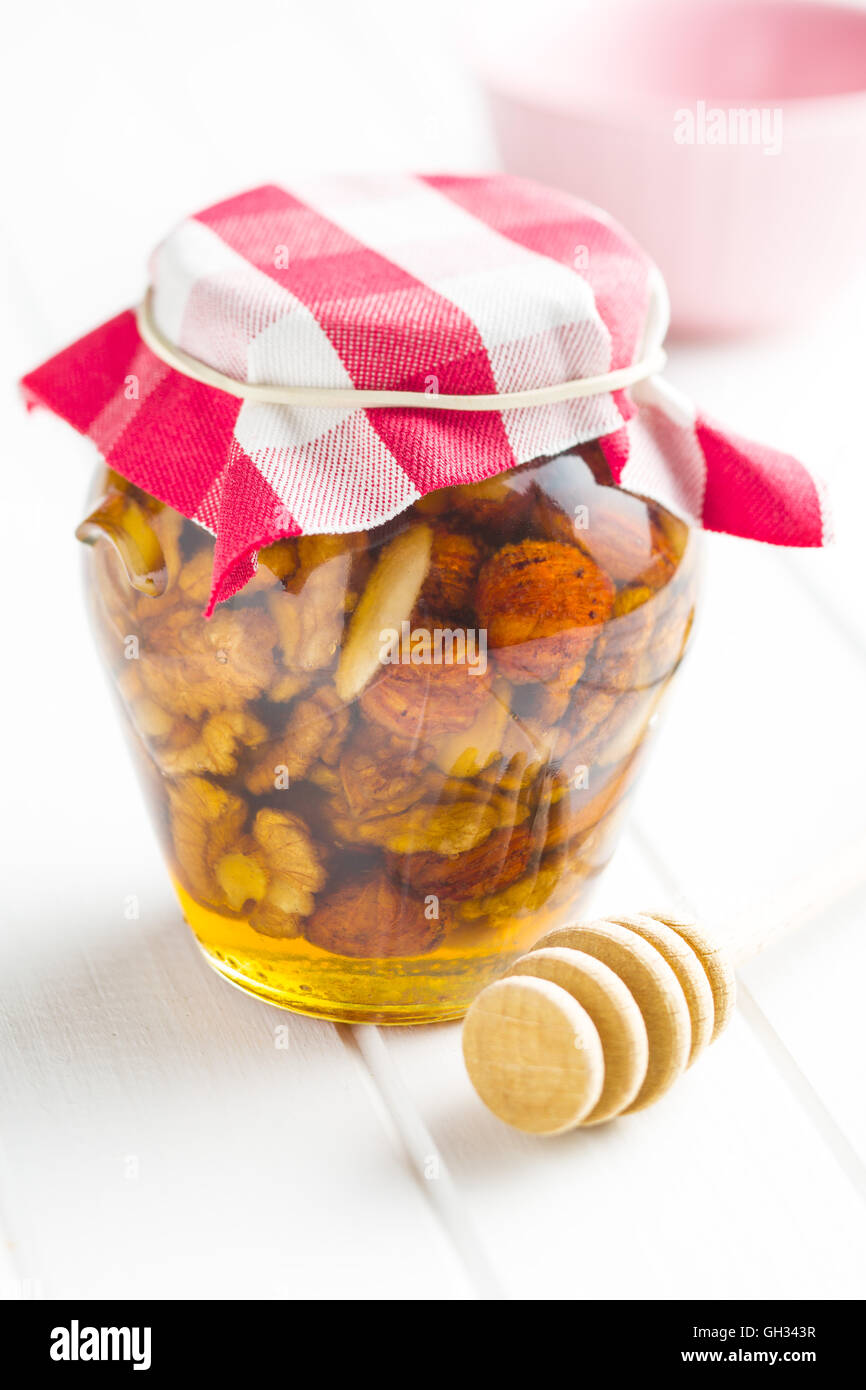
542, 603
455, 560
430, 697
372, 918
383, 775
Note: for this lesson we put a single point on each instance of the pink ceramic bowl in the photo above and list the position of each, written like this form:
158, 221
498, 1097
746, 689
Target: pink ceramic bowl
755, 217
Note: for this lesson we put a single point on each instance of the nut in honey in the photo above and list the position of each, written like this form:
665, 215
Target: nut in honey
395, 758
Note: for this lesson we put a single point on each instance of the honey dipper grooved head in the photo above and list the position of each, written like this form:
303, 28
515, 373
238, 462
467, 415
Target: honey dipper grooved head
613, 1011
716, 962
655, 989
689, 971
638, 997
533, 1055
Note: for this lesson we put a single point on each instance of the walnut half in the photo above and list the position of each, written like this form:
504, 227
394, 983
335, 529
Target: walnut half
272, 876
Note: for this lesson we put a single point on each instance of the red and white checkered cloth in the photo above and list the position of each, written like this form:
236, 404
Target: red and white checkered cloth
458, 285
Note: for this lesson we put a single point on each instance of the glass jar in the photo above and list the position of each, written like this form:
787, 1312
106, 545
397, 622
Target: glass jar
395, 758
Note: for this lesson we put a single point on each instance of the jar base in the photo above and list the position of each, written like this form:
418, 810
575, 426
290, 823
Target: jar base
326, 1009
295, 975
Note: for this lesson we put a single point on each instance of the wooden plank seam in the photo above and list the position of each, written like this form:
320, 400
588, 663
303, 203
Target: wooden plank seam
780, 1056
414, 1141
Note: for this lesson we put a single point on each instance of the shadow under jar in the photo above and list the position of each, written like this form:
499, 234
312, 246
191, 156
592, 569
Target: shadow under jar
394, 759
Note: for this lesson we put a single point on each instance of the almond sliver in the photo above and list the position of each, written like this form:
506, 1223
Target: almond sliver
387, 601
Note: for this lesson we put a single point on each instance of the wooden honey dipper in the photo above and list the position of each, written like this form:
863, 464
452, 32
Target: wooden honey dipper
599, 1019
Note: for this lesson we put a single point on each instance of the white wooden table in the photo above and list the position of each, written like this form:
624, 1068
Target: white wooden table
155, 1138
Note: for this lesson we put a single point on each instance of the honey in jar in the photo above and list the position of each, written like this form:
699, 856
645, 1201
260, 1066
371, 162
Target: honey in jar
396, 757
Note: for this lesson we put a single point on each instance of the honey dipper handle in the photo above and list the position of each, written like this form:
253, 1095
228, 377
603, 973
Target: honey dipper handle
799, 901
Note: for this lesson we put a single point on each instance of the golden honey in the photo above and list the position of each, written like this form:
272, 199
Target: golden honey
395, 758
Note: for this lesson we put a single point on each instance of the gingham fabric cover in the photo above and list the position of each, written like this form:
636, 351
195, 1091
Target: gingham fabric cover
430, 283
